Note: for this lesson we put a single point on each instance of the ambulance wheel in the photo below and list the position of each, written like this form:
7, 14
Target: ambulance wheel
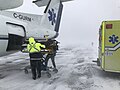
26, 71
98, 62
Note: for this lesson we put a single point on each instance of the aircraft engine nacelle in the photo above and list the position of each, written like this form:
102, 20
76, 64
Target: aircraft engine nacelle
10, 4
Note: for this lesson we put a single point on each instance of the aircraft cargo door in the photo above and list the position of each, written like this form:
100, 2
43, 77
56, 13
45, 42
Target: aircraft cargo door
16, 34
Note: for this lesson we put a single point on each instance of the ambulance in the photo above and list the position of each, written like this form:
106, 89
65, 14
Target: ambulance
109, 46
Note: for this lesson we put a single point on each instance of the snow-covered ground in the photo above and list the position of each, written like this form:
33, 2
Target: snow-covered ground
76, 72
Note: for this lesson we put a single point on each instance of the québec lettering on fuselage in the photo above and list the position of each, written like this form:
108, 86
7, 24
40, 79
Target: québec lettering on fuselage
17, 27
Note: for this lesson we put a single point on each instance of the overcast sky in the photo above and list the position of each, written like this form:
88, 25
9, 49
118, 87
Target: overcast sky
81, 19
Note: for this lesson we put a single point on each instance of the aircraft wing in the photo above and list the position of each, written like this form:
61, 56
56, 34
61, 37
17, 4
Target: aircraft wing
10, 4
41, 3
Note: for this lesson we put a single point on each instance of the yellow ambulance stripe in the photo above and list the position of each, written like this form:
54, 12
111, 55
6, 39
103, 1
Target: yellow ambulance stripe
103, 37
103, 43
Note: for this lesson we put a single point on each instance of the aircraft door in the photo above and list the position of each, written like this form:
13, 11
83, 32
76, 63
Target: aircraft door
16, 36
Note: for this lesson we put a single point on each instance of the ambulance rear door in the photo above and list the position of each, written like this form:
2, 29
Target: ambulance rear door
112, 46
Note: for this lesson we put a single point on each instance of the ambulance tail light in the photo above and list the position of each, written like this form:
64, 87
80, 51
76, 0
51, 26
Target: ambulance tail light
109, 26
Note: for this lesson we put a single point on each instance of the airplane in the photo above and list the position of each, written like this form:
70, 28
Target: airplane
10, 4
17, 27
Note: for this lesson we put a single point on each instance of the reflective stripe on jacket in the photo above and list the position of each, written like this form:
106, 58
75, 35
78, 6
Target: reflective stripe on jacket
33, 47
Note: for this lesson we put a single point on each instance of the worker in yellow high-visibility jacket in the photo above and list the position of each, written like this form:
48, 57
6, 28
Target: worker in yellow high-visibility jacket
35, 56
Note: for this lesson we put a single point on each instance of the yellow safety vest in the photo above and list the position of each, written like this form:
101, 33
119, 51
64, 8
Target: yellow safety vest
33, 46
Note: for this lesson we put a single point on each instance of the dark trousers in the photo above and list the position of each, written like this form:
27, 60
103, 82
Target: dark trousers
35, 66
52, 57
35, 62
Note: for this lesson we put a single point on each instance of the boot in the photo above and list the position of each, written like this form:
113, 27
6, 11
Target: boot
39, 75
34, 78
